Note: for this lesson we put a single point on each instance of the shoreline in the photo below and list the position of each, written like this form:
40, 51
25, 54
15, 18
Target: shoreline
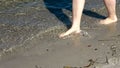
24, 32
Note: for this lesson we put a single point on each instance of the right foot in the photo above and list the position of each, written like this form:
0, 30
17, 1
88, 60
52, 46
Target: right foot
108, 20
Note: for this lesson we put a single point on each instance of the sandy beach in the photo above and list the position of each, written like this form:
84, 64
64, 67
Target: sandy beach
29, 36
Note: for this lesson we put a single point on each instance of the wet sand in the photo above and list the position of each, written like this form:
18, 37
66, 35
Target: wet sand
100, 48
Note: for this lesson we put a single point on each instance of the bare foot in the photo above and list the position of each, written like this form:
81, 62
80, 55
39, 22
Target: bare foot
108, 21
70, 31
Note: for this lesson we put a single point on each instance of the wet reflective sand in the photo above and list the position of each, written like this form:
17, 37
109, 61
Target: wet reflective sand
76, 51
100, 48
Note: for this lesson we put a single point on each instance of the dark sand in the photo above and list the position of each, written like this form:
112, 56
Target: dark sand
100, 48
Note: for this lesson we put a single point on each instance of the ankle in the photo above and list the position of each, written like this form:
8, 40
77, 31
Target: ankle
75, 28
113, 17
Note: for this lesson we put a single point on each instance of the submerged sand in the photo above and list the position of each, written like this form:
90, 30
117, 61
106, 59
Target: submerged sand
100, 48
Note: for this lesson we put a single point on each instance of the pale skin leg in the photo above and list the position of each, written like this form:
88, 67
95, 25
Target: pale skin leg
111, 9
78, 6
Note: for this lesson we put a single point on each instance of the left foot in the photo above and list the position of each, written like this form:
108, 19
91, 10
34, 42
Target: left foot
108, 21
69, 32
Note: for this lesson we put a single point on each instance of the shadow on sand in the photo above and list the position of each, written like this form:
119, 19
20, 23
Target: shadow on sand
56, 6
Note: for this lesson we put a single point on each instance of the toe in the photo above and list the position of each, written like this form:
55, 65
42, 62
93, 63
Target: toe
61, 35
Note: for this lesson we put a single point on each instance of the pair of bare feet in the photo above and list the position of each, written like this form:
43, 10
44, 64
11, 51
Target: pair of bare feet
75, 30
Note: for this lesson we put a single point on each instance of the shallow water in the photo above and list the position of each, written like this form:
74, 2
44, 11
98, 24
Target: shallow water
76, 51
51, 51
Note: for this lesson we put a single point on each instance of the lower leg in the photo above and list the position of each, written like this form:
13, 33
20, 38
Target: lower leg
111, 9
78, 6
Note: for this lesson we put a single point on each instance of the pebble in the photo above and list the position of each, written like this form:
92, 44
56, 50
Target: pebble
95, 49
84, 33
89, 45
47, 49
